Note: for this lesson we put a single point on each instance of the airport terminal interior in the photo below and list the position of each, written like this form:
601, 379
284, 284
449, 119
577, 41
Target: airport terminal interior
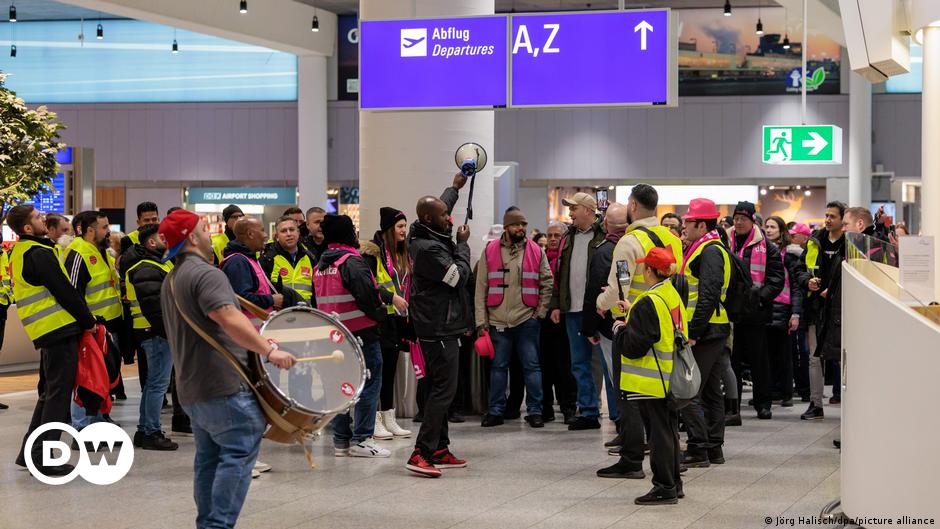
480, 263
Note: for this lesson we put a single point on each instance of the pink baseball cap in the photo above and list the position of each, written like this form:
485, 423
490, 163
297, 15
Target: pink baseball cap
801, 229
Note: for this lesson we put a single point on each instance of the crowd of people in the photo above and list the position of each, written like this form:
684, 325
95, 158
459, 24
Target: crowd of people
600, 306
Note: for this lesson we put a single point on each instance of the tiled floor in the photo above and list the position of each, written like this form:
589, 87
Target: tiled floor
517, 477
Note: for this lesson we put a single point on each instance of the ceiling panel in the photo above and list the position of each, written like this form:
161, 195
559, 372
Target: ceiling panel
345, 7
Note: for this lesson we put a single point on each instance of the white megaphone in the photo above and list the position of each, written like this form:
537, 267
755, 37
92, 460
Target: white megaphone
471, 159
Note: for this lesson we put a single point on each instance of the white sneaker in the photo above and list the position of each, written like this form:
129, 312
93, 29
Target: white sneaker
255, 474
368, 449
341, 451
380, 431
262, 467
388, 417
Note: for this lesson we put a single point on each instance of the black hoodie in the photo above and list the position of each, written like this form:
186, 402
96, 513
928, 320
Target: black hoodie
147, 280
358, 280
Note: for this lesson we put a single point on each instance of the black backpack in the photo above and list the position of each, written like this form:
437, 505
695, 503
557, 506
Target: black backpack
738, 299
679, 281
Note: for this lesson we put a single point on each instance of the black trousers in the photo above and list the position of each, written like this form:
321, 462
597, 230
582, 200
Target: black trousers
800, 362
463, 397
59, 363
442, 363
664, 443
750, 345
555, 359
780, 350
705, 416
389, 369
634, 427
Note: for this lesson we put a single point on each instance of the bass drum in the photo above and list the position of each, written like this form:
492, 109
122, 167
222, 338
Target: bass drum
330, 373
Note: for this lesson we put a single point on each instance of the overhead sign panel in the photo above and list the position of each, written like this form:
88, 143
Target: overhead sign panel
433, 63
802, 144
242, 195
594, 59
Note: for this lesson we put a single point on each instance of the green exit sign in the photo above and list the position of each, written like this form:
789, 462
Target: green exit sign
802, 144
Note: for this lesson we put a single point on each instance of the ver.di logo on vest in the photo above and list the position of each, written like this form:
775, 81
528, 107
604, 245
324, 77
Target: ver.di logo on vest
110, 461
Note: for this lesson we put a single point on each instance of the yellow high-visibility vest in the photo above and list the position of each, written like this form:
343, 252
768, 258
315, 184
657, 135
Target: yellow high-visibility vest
6, 288
101, 292
134, 236
140, 321
219, 242
38, 309
384, 281
298, 277
637, 282
720, 315
650, 374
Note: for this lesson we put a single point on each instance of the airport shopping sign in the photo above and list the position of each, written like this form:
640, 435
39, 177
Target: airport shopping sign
802, 144
242, 195
557, 59
433, 63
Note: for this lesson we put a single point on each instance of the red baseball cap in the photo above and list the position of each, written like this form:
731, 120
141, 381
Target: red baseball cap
701, 209
658, 258
175, 228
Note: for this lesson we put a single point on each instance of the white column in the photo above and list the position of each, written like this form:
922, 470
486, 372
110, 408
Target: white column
406, 155
311, 130
930, 141
859, 141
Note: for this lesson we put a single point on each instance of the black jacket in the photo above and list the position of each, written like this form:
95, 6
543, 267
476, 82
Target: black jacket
829, 319
635, 339
774, 277
709, 268
780, 318
440, 303
592, 323
561, 295
147, 280
242, 277
395, 329
42, 268
358, 280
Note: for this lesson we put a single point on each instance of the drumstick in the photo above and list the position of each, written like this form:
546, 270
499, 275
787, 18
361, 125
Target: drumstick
337, 357
252, 308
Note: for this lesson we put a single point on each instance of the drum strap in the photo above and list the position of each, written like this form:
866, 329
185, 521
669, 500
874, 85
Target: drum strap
270, 414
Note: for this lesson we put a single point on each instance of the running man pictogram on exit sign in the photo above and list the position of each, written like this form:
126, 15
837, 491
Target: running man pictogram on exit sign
802, 144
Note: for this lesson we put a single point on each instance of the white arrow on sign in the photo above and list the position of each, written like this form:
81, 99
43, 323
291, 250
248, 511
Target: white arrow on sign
643, 27
818, 143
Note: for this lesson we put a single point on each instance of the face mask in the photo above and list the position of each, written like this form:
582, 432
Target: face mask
64, 240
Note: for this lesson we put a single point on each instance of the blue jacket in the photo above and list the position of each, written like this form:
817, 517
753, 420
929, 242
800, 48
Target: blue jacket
240, 274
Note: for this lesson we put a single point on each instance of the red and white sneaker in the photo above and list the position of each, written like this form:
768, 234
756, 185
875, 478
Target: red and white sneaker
444, 459
419, 465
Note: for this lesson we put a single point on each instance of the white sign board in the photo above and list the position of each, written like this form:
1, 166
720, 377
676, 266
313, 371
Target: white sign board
916, 266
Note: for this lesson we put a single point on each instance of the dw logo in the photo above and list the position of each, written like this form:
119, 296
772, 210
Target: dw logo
110, 460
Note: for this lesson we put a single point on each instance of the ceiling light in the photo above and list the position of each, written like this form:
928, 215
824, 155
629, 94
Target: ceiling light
13, 50
786, 42
12, 13
763, 192
315, 25
771, 187
243, 6
727, 8
807, 192
175, 49
760, 27
100, 34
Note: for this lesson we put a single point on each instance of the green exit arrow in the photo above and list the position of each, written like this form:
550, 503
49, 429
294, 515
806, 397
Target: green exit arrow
802, 144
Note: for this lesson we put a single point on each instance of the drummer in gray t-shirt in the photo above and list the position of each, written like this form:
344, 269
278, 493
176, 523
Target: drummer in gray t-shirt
226, 419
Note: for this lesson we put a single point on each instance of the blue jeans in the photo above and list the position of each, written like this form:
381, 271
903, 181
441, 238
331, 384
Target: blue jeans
522, 340
364, 425
581, 354
80, 419
159, 365
607, 346
227, 431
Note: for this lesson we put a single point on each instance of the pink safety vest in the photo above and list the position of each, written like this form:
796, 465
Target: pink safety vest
531, 262
759, 268
333, 297
264, 286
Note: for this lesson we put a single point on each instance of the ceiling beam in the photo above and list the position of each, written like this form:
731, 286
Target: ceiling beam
283, 25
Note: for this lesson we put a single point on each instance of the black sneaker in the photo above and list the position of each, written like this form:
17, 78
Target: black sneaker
455, 418
4, 406
765, 414
107, 418
716, 456
616, 441
157, 441
535, 421
584, 423
733, 420
620, 470
695, 459
658, 496
138, 438
181, 428
786, 403
837, 443
491, 420
569, 416
813, 413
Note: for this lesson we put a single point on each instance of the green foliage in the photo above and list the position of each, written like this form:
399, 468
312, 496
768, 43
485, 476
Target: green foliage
28, 146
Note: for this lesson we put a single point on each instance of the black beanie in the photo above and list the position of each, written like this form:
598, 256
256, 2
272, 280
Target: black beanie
388, 217
339, 229
230, 210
